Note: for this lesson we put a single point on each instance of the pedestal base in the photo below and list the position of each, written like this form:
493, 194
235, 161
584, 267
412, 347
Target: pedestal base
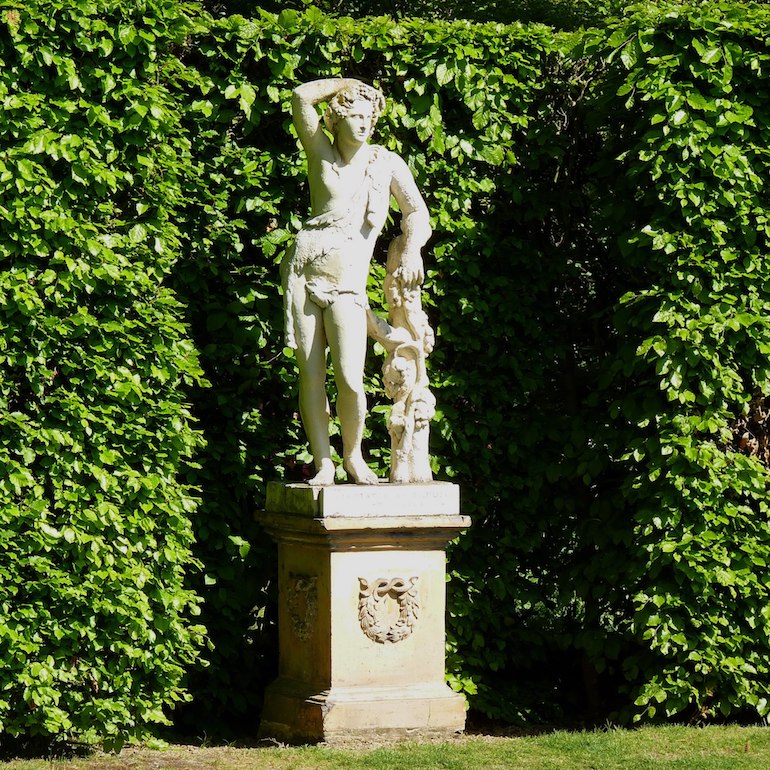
293, 715
361, 611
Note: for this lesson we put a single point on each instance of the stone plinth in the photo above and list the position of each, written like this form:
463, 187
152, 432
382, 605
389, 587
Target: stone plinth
361, 611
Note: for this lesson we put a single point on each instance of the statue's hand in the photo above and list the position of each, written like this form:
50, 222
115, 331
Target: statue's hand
411, 272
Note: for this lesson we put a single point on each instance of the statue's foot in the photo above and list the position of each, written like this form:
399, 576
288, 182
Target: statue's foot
399, 477
359, 471
325, 475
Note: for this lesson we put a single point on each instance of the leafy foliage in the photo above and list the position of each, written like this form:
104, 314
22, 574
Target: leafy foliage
601, 333
687, 593
561, 14
94, 522
597, 279
454, 118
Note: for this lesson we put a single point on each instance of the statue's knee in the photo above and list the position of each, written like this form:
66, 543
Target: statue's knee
350, 390
312, 380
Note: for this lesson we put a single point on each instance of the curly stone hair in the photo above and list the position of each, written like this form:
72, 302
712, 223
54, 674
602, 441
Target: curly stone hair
343, 100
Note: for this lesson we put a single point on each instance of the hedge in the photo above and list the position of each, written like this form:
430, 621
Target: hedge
468, 173
597, 281
97, 626
685, 599
571, 197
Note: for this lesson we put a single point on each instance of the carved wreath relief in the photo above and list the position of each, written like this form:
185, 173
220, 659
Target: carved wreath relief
302, 603
373, 608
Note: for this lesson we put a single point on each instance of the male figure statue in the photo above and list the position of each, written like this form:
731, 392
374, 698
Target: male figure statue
324, 274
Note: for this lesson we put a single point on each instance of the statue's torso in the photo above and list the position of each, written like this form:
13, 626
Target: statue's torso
350, 205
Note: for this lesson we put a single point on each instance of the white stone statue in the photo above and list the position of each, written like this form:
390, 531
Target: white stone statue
324, 279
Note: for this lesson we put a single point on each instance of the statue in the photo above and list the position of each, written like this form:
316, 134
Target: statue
324, 279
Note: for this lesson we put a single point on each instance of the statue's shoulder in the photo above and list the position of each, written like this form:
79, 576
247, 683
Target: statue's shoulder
383, 156
386, 161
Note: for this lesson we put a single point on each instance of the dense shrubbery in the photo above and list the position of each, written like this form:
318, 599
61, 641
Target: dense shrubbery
677, 575
597, 279
561, 14
95, 622
552, 278
465, 130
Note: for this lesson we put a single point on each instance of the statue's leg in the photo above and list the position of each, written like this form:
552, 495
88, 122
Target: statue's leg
345, 323
313, 404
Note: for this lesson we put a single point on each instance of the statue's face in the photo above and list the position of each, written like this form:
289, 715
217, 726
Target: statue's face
356, 126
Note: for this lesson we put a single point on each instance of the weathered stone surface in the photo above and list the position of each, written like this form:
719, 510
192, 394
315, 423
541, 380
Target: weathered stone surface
324, 277
437, 498
361, 612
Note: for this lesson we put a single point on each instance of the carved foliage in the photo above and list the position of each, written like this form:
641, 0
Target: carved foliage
372, 608
407, 338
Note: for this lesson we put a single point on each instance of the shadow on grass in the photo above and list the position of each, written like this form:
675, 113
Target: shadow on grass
39, 747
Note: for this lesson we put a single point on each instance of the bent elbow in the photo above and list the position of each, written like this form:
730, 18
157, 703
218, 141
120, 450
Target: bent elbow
425, 227
296, 100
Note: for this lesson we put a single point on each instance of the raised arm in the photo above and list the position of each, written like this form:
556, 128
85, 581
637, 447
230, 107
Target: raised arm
304, 113
415, 225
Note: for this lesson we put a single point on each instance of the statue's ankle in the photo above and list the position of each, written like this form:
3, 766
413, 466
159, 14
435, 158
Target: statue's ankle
324, 476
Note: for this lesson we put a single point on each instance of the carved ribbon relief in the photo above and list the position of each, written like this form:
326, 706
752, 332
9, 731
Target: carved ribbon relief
377, 622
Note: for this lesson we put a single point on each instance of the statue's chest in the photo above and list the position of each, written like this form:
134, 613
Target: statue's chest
341, 181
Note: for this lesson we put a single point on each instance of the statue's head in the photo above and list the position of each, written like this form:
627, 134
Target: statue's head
361, 99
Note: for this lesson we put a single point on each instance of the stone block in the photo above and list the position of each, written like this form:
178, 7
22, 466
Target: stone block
361, 611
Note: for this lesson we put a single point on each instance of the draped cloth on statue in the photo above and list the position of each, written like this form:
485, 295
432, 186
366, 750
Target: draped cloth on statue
346, 233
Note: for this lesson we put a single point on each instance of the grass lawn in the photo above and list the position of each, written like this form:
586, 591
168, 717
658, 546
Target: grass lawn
660, 748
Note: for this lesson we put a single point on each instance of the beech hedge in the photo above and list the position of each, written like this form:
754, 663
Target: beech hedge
677, 581
597, 279
96, 624
465, 128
